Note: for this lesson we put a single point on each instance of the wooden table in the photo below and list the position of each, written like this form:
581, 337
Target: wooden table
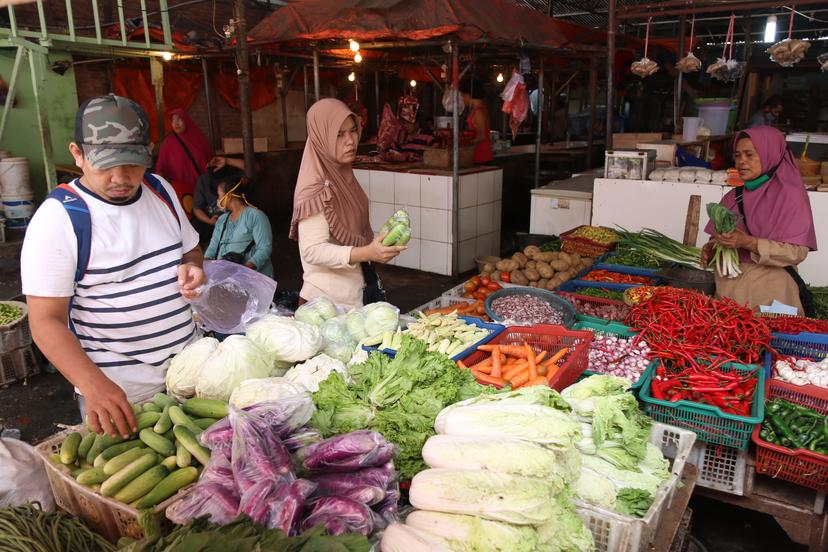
669, 536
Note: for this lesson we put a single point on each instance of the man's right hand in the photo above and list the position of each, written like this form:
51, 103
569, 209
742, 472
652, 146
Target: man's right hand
107, 408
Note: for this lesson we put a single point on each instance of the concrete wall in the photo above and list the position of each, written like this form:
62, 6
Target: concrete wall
22, 134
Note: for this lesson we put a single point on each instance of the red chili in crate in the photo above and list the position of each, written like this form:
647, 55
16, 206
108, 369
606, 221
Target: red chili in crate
732, 393
616, 277
796, 325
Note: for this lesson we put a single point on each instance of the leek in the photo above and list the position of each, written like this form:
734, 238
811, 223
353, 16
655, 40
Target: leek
725, 259
655, 244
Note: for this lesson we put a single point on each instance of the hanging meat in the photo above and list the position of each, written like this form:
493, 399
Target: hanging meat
645, 66
515, 102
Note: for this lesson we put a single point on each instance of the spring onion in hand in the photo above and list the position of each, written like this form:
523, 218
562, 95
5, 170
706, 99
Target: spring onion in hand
726, 259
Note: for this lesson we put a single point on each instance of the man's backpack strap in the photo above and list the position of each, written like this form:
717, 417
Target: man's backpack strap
81, 220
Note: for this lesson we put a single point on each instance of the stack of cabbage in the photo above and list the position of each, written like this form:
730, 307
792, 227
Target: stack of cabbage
500, 470
341, 333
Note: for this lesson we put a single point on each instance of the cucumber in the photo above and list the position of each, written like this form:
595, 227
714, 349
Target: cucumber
186, 438
86, 444
84, 464
136, 409
163, 400
99, 462
124, 459
183, 458
169, 435
151, 407
126, 474
168, 487
120, 448
204, 423
141, 485
74, 472
146, 419
55, 459
92, 476
69, 448
170, 462
102, 442
164, 424
179, 418
205, 408
156, 442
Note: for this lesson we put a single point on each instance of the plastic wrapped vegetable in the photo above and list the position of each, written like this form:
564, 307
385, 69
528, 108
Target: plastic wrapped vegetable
301, 438
380, 317
218, 434
287, 415
254, 502
390, 504
207, 499
255, 391
258, 453
286, 339
285, 506
356, 326
346, 452
367, 486
337, 340
316, 311
236, 359
340, 515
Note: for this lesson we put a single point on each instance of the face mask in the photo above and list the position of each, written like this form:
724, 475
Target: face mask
756, 183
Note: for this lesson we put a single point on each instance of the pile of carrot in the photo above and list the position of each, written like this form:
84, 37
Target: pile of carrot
475, 309
515, 365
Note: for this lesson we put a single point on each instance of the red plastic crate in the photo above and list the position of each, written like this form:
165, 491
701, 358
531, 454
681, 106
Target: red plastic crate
580, 300
583, 246
544, 337
801, 467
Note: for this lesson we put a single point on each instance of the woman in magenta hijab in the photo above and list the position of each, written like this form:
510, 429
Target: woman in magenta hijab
777, 230
183, 156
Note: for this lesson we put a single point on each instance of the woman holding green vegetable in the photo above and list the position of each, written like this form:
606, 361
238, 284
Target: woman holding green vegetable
330, 213
776, 230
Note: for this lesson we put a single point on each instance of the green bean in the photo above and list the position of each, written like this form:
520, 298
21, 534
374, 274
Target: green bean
9, 313
28, 528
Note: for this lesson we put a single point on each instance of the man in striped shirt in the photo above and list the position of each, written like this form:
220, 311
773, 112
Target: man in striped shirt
107, 305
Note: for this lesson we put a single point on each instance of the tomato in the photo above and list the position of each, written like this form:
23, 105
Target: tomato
494, 286
470, 286
481, 310
485, 280
505, 277
475, 280
486, 292
468, 295
479, 295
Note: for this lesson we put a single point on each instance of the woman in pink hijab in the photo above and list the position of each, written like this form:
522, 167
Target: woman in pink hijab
777, 230
183, 156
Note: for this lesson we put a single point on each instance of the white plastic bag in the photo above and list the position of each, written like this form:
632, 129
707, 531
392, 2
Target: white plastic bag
233, 296
448, 100
24, 477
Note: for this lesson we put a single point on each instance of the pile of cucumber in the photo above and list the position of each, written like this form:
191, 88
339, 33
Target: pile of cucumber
152, 464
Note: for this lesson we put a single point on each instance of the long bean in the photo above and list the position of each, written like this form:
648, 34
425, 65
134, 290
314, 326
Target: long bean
28, 528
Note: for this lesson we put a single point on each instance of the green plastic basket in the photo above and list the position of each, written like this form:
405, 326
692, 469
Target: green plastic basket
599, 326
709, 422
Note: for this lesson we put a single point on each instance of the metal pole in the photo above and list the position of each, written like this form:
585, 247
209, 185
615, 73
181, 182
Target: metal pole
157, 76
540, 124
455, 159
377, 99
610, 70
593, 100
243, 63
18, 58
211, 131
316, 74
679, 77
37, 64
305, 78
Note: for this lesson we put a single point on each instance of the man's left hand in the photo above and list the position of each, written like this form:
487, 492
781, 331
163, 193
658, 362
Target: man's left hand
738, 239
190, 278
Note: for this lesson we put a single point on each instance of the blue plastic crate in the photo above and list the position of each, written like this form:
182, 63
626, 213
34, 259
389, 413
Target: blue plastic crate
612, 286
804, 345
572, 286
494, 331
624, 269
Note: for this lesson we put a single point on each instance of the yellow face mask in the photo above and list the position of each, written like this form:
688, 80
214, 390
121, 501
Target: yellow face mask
222, 204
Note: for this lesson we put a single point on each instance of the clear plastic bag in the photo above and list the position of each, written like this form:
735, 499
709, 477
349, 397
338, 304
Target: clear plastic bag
207, 499
366, 486
286, 415
380, 317
449, 95
345, 453
337, 339
340, 515
303, 437
258, 454
233, 296
285, 506
316, 311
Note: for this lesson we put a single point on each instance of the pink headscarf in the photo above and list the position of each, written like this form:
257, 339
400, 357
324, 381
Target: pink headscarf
173, 162
780, 209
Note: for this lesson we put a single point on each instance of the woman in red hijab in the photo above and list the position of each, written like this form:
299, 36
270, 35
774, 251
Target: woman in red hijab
183, 156
777, 230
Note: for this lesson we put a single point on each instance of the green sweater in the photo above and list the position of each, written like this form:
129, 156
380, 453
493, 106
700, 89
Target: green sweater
235, 236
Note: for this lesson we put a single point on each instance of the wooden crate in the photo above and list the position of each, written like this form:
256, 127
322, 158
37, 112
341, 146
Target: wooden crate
441, 158
628, 140
236, 145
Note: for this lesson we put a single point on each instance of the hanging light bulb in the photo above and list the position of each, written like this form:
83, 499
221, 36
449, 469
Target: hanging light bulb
770, 29
352, 77
166, 56
353, 45
413, 83
358, 58
500, 77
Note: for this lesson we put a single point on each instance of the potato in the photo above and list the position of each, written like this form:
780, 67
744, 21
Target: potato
588, 262
560, 265
531, 250
563, 276
574, 258
519, 278
544, 270
489, 268
546, 257
532, 274
521, 259
542, 283
553, 284
495, 276
533, 284
507, 265
531, 264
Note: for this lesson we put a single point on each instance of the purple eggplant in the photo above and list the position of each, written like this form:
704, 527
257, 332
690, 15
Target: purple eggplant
346, 453
208, 499
255, 501
217, 434
339, 515
257, 453
284, 508
287, 415
366, 486
389, 505
301, 438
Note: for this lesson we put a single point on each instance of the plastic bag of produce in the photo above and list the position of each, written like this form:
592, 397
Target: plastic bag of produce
336, 338
390, 504
316, 311
346, 452
340, 515
285, 506
218, 434
257, 453
301, 438
285, 416
367, 486
380, 317
207, 499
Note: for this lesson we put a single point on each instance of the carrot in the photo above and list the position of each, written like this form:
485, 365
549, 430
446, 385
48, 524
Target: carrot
553, 369
530, 356
556, 357
517, 351
516, 369
540, 380
496, 364
444, 310
487, 369
461, 365
485, 378
485, 362
520, 379
541, 356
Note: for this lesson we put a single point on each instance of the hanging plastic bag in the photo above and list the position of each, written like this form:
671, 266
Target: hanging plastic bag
645, 66
449, 102
233, 296
690, 63
515, 101
726, 68
790, 51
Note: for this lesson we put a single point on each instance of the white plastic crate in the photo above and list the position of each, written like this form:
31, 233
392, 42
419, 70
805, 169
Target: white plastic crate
442, 302
614, 532
720, 468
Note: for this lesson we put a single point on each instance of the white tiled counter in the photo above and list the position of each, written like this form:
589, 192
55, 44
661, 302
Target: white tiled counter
428, 198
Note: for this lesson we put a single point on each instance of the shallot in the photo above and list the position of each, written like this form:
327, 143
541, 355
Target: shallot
802, 371
619, 356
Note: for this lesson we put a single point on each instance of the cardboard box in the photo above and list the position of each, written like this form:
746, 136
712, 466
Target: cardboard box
628, 140
441, 158
235, 145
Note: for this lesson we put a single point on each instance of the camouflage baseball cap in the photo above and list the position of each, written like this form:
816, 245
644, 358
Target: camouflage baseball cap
113, 131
